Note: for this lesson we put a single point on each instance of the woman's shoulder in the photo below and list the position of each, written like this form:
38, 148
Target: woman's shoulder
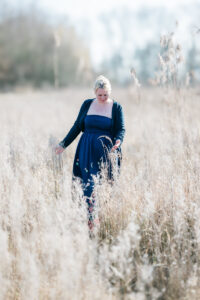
88, 100
116, 104
85, 104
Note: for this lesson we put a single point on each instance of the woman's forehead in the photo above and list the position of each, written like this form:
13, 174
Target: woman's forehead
100, 91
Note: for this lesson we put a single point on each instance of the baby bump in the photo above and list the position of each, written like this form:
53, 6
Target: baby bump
102, 145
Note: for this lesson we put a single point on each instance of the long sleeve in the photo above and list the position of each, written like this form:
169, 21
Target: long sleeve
120, 127
74, 131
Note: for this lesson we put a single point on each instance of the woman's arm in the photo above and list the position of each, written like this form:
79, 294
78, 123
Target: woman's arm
74, 131
120, 128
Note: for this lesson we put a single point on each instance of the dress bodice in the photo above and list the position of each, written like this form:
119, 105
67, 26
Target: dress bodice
97, 123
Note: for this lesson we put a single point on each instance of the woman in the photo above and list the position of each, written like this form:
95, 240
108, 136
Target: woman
102, 122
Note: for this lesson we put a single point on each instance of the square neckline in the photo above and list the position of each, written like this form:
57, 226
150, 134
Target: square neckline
100, 115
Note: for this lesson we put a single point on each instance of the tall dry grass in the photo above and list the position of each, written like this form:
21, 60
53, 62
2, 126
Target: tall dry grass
147, 246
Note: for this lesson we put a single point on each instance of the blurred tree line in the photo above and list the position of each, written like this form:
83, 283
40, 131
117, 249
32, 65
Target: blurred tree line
38, 52
35, 52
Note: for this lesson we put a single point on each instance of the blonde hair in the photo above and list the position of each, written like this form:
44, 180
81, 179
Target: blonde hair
102, 83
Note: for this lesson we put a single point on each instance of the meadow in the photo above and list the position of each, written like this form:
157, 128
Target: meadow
148, 242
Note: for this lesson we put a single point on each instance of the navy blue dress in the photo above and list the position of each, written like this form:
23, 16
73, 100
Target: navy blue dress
93, 150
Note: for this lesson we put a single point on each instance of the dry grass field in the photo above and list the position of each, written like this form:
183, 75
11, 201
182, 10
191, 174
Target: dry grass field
148, 243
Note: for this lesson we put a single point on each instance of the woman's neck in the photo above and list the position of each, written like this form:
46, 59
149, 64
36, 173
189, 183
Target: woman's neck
108, 101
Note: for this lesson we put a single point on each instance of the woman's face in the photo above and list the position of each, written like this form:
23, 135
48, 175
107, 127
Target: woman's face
102, 95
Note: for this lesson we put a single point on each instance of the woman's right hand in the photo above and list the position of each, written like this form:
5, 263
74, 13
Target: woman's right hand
59, 149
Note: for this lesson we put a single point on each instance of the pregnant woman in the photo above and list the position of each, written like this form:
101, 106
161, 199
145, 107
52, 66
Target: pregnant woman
102, 123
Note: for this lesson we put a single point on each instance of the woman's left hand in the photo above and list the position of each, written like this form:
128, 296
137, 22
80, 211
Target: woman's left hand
117, 144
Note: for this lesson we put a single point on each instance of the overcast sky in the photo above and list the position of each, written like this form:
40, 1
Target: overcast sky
91, 8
